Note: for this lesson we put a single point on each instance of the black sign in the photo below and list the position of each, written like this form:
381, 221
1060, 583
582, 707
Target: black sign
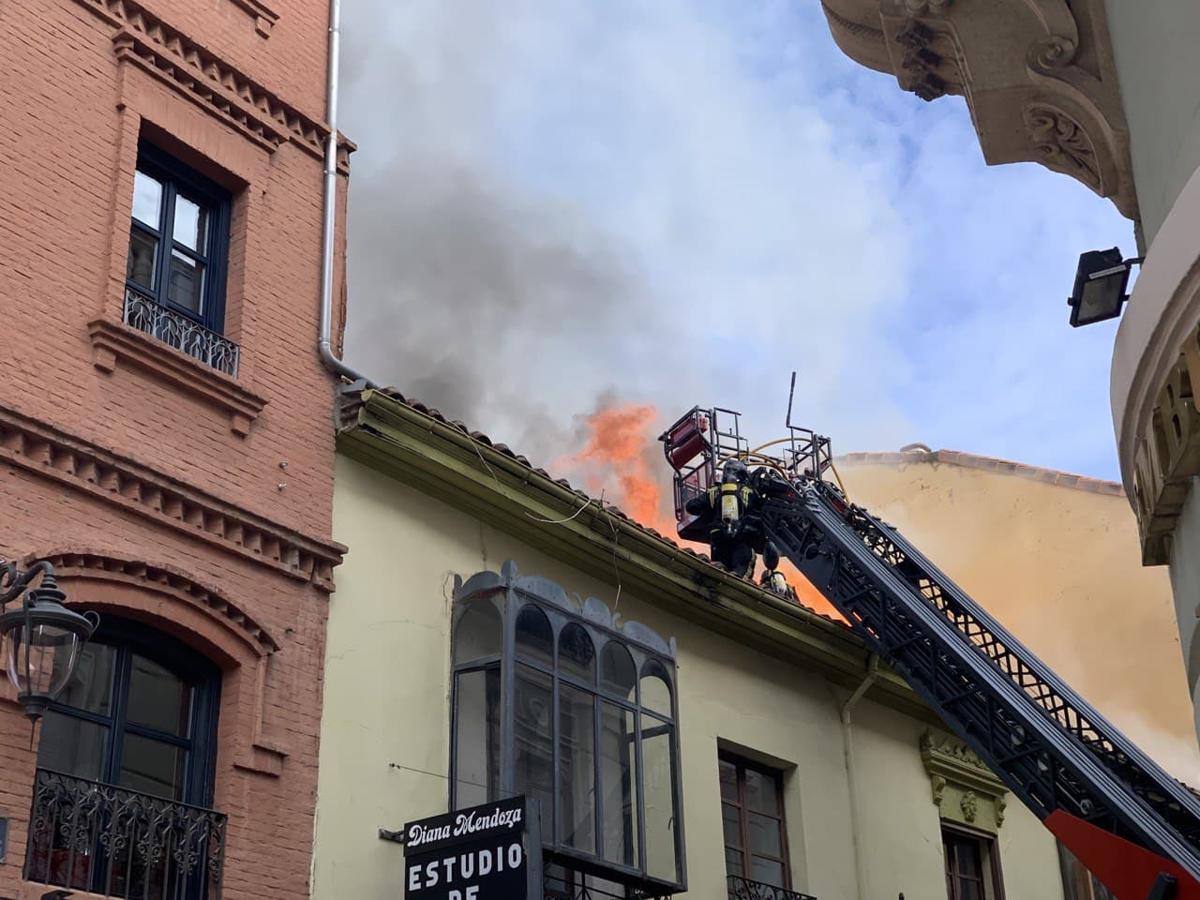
489, 852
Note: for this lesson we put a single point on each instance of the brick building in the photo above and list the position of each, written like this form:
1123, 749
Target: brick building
161, 410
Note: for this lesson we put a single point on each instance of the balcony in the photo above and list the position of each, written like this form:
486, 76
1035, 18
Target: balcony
88, 836
145, 314
745, 889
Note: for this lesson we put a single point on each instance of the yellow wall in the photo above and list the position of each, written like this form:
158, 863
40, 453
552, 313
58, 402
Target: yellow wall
384, 744
1059, 567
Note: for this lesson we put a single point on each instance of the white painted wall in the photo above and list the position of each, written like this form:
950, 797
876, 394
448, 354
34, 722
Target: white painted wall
384, 742
1155, 43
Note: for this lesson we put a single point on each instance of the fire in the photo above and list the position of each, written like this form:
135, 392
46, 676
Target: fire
620, 459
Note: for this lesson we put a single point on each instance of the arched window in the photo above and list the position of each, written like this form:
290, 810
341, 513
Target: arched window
140, 715
591, 714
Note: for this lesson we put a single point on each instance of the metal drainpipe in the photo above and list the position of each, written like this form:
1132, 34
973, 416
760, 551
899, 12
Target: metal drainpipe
329, 202
860, 868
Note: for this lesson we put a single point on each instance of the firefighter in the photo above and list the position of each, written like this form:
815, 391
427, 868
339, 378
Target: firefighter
734, 533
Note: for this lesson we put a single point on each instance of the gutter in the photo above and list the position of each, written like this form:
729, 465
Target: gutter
329, 202
860, 861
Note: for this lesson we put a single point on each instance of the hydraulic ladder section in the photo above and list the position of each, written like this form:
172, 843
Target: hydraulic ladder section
1051, 748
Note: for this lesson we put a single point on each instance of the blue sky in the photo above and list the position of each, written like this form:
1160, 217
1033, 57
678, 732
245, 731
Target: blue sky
559, 204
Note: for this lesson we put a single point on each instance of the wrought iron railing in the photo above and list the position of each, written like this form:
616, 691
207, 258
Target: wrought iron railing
95, 837
144, 313
745, 889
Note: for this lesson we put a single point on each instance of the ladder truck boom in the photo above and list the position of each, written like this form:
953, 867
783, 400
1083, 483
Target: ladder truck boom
1134, 826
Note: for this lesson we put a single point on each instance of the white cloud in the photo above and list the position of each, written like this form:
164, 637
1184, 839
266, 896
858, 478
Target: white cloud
680, 202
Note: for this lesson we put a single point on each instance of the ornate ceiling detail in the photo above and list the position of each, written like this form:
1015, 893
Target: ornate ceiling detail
1038, 77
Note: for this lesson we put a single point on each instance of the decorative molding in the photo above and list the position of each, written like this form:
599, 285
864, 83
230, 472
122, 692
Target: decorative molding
1034, 94
963, 788
47, 451
143, 39
163, 579
264, 17
112, 341
1062, 144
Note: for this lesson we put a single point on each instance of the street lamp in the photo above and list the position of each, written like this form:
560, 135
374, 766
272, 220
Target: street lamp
42, 638
1100, 282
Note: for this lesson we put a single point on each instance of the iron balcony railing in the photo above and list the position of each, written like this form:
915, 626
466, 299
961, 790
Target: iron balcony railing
745, 889
88, 836
144, 313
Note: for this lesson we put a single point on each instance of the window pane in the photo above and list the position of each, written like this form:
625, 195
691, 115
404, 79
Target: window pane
477, 633
577, 654
617, 672
477, 737
731, 821
729, 788
533, 724
656, 688
535, 640
618, 775
158, 698
734, 863
763, 834
969, 861
191, 223
577, 767
761, 793
143, 253
147, 200
185, 285
658, 777
90, 686
72, 746
152, 767
768, 871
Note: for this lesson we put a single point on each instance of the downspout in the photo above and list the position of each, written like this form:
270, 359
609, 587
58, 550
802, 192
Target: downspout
329, 202
860, 863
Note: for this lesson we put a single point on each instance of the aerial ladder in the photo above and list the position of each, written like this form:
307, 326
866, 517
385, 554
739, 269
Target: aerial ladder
1131, 824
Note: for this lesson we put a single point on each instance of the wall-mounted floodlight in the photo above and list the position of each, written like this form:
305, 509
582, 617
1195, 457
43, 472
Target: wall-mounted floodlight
1100, 283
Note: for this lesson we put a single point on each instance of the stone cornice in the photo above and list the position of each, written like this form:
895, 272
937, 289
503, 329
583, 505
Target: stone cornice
112, 341
443, 461
145, 40
52, 453
1038, 77
963, 787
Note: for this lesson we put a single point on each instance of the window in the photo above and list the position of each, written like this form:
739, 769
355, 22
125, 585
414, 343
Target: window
1078, 882
178, 240
139, 714
752, 816
591, 714
972, 866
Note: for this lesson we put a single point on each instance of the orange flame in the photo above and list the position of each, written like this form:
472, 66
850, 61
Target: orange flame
620, 459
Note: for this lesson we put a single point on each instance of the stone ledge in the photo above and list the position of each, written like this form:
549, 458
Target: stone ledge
47, 451
112, 342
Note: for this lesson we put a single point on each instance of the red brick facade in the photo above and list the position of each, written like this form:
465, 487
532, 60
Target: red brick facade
163, 490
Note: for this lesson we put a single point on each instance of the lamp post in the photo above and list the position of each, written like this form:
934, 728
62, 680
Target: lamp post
42, 638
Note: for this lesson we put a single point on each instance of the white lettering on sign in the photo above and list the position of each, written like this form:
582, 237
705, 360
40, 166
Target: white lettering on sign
464, 823
464, 866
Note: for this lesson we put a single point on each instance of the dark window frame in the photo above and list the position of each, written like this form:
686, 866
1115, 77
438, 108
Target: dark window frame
178, 179
775, 776
644, 647
989, 850
204, 679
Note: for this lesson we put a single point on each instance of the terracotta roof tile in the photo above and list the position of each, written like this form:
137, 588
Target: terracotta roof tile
350, 392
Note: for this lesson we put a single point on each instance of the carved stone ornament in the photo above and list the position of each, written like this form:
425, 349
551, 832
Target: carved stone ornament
1062, 144
1038, 76
963, 788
